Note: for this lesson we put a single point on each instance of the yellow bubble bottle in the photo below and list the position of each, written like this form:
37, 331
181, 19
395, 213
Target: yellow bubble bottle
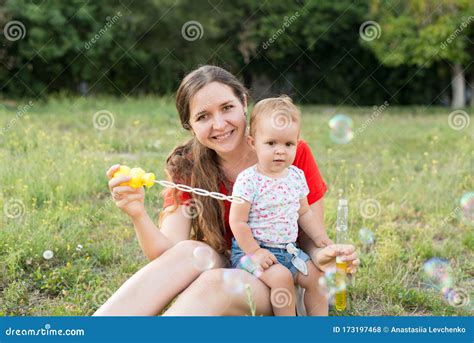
341, 295
341, 266
138, 177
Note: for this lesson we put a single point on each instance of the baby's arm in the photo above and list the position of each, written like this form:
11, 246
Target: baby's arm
309, 223
238, 220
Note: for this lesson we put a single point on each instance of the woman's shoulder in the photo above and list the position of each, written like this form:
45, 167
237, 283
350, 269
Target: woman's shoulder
302, 147
303, 154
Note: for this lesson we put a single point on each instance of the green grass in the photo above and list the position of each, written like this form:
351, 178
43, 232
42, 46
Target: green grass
53, 164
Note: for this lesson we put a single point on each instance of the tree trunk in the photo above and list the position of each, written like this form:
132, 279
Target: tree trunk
472, 90
458, 85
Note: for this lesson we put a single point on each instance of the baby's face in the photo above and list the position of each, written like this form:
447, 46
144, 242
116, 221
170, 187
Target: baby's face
275, 147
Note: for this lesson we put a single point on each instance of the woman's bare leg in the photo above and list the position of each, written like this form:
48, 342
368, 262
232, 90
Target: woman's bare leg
149, 290
316, 303
222, 292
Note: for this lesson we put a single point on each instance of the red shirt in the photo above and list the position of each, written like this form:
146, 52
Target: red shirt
304, 160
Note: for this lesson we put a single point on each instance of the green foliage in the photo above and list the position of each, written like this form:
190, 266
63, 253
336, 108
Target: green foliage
423, 32
310, 50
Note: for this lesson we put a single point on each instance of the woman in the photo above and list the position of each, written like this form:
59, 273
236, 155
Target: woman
212, 105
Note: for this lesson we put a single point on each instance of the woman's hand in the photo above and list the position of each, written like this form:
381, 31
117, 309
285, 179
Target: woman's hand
326, 257
129, 200
264, 258
322, 241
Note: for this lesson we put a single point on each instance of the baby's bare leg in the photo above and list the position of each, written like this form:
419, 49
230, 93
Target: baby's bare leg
282, 294
314, 301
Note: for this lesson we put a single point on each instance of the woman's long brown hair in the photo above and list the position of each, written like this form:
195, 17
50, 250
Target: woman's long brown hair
196, 165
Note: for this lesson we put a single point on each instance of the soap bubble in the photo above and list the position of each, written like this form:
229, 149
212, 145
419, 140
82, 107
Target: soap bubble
233, 281
341, 129
246, 263
157, 144
203, 258
438, 273
366, 236
467, 205
332, 282
48, 254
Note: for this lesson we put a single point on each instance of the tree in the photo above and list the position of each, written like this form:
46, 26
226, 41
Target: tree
423, 32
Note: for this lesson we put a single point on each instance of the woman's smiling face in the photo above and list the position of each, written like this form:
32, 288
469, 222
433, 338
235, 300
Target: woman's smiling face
217, 118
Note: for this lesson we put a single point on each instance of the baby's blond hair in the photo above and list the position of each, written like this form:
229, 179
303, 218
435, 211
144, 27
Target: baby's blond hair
281, 109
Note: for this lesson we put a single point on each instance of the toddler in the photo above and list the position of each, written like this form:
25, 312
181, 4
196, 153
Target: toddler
265, 226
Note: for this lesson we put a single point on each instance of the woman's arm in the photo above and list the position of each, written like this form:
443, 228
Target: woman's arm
175, 227
325, 258
306, 243
311, 225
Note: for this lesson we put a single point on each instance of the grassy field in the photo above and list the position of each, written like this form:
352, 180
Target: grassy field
403, 174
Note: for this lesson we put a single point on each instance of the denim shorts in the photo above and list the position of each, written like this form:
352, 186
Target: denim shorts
283, 256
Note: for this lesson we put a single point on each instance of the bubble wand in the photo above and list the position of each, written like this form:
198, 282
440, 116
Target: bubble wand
139, 178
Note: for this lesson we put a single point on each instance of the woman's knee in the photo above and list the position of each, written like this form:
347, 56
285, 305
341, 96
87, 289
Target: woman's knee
235, 288
189, 245
201, 255
210, 282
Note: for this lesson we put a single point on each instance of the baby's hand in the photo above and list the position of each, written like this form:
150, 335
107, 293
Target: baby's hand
264, 258
322, 241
